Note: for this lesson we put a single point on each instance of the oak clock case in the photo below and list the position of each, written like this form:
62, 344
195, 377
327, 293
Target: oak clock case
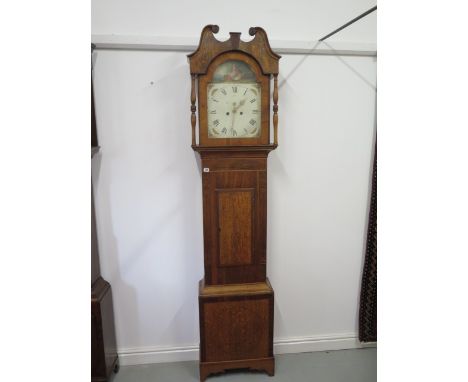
231, 86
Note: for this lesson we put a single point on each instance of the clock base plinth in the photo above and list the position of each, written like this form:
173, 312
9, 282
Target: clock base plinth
261, 364
236, 327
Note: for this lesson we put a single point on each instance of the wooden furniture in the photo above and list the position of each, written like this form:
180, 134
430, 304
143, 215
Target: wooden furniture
104, 359
235, 297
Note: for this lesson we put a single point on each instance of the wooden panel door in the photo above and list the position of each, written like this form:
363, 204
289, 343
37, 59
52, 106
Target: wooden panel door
235, 221
235, 226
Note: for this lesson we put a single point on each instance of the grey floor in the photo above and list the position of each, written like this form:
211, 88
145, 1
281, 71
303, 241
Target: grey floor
357, 365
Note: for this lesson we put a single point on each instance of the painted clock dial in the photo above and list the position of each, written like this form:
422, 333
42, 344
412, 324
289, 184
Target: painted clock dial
234, 102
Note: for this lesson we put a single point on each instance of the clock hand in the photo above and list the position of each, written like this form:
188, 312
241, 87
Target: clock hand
234, 109
241, 103
233, 118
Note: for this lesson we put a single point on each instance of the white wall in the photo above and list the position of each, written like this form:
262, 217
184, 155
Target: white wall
283, 20
148, 183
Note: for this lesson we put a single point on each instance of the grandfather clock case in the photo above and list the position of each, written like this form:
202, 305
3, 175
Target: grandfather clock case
231, 84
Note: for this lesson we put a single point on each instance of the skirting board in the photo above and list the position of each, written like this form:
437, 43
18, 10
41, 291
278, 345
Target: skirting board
145, 355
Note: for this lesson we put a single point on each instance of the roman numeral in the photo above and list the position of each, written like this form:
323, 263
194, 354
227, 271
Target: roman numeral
216, 123
245, 91
213, 112
252, 122
234, 89
253, 100
223, 91
255, 111
214, 100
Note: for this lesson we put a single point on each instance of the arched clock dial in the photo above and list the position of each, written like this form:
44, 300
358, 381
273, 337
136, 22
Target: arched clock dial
234, 110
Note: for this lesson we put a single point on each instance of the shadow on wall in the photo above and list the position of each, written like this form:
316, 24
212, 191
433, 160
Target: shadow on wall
109, 257
337, 56
149, 211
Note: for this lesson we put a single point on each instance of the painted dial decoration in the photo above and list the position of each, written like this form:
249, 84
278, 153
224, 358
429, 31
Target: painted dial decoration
234, 102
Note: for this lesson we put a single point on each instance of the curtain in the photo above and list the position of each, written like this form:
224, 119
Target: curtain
368, 302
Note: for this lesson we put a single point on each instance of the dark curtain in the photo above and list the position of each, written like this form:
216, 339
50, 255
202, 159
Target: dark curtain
368, 303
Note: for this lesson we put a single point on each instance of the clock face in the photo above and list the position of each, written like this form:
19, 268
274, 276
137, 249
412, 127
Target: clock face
234, 102
234, 110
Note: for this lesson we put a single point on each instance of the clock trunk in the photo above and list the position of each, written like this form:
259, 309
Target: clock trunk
234, 210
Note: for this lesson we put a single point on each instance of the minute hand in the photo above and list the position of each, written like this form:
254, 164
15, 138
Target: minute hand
241, 103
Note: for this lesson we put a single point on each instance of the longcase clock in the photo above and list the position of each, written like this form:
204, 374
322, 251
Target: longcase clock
231, 82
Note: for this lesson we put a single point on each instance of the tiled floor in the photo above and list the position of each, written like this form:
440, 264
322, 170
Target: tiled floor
357, 365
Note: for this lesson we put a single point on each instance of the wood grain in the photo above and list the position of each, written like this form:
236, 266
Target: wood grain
260, 364
209, 47
104, 359
236, 327
240, 329
226, 173
275, 109
235, 225
193, 108
235, 289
